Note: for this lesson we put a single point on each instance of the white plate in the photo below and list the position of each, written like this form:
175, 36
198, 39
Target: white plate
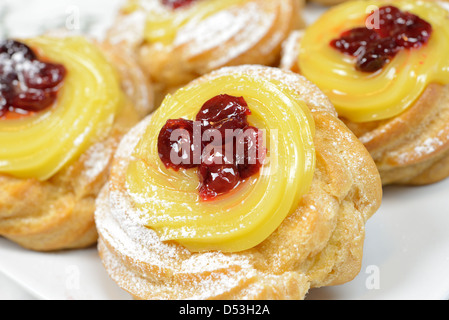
406, 254
407, 241
406, 257
69, 275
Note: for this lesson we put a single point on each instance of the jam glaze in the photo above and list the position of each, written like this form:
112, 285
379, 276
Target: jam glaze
225, 159
27, 84
374, 48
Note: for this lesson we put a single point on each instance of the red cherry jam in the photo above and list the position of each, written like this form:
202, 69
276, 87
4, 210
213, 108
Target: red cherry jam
27, 85
175, 4
374, 48
182, 147
229, 149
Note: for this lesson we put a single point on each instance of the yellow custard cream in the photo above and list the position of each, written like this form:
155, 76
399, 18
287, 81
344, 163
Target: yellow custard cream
169, 201
38, 146
363, 97
163, 23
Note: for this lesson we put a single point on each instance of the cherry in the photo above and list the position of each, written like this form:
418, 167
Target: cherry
168, 147
376, 55
409, 30
251, 160
390, 21
352, 41
3, 105
223, 107
32, 100
27, 84
226, 159
416, 33
223, 127
49, 75
374, 48
218, 175
12, 47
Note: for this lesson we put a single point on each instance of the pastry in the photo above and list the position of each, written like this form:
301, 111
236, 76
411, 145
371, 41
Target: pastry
65, 103
386, 72
177, 41
186, 214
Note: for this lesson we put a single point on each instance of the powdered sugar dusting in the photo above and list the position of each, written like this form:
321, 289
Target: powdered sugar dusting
290, 50
429, 146
98, 158
128, 29
422, 149
246, 25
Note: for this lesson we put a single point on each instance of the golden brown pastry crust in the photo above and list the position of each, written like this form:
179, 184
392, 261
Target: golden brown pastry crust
411, 148
255, 37
319, 244
58, 213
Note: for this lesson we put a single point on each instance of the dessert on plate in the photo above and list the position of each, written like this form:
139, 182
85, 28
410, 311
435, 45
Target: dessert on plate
179, 40
243, 184
384, 66
65, 102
